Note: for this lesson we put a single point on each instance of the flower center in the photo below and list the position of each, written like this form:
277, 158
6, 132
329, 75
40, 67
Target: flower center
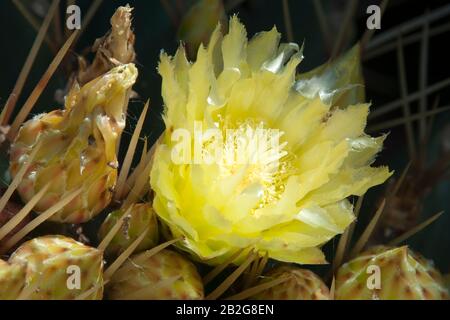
256, 153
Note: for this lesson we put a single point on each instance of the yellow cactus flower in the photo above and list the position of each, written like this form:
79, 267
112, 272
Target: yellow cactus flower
285, 197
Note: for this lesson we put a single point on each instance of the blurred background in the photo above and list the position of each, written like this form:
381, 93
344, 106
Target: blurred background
405, 67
